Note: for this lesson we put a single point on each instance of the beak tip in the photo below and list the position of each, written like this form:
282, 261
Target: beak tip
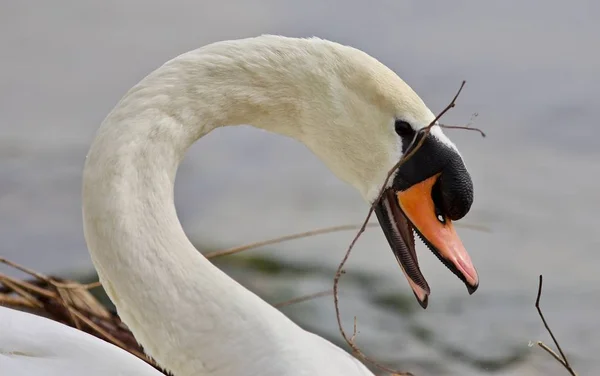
423, 303
472, 288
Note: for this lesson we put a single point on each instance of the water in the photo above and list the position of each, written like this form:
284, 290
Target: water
532, 75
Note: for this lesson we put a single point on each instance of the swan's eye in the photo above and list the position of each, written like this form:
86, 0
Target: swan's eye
404, 129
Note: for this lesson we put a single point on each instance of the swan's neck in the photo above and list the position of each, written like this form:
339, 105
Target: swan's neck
187, 314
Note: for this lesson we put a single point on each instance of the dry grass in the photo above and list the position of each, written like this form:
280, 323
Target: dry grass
68, 302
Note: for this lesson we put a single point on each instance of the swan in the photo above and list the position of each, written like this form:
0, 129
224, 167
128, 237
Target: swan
348, 108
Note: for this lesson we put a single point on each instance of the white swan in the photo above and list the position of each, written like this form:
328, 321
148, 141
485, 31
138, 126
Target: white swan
348, 108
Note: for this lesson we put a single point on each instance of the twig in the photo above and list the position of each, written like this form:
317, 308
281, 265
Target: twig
467, 126
84, 286
17, 301
562, 359
281, 239
350, 341
57, 285
464, 127
24, 269
22, 292
26, 285
72, 312
304, 298
50, 280
354, 331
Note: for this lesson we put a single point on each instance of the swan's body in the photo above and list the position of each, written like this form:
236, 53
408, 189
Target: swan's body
36, 346
187, 314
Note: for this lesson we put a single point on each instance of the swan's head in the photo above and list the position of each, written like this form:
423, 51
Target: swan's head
360, 118
427, 192
370, 120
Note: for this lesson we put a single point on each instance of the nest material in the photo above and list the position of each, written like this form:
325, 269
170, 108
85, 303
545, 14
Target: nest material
70, 303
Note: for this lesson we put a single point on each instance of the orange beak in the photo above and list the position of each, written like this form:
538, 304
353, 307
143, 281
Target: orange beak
402, 212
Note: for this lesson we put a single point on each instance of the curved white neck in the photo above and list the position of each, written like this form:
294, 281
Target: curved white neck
176, 302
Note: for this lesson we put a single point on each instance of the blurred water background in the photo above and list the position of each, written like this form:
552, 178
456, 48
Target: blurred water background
532, 71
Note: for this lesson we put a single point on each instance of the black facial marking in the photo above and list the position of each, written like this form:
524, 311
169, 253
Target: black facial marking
453, 192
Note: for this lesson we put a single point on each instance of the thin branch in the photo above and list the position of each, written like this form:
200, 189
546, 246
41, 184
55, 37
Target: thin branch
26, 285
551, 352
24, 269
354, 331
49, 280
562, 359
350, 340
467, 126
281, 239
463, 127
16, 301
22, 292
70, 310
75, 286
304, 298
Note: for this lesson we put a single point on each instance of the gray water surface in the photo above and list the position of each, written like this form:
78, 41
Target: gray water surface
532, 71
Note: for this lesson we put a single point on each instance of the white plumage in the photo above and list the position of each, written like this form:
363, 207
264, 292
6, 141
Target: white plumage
34, 345
188, 315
